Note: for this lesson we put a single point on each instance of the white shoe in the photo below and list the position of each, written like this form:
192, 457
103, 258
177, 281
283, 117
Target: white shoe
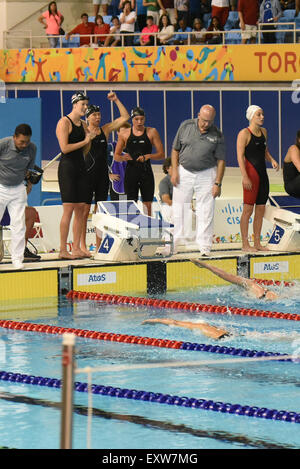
18, 265
205, 253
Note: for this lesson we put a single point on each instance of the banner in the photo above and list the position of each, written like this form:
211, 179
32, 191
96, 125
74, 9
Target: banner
218, 63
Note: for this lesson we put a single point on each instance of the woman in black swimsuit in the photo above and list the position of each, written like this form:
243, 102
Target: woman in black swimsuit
73, 137
97, 182
138, 141
291, 169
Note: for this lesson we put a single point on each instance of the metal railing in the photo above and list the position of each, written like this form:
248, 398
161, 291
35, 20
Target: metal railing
25, 38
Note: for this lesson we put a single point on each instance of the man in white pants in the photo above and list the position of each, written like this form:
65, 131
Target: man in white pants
17, 156
198, 166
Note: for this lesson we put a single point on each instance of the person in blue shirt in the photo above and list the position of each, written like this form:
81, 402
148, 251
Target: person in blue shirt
269, 13
180, 37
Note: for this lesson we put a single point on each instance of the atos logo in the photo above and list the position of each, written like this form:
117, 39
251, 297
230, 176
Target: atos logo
271, 267
95, 278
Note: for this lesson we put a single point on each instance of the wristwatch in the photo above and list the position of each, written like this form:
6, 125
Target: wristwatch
218, 184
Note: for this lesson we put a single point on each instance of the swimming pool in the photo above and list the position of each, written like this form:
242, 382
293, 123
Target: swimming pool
27, 410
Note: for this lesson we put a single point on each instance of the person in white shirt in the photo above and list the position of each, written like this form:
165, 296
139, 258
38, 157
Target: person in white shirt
166, 30
127, 20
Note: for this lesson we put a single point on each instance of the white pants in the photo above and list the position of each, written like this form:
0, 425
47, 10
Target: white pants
15, 199
201, 185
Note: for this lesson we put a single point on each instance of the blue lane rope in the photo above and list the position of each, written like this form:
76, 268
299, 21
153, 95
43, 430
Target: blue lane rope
205, 404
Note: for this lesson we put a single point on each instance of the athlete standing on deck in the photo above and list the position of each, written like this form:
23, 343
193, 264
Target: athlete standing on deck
73, 136
138, 141
252, 154
96, 160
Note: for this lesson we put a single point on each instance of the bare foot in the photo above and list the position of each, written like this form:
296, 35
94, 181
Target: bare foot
65, 255
78, 253
249, 249
86, 252
262, 248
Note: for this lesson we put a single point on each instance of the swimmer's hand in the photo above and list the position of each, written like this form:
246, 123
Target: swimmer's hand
126, 157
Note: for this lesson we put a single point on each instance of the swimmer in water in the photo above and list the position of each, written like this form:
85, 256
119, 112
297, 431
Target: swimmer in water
249, 284
206, 329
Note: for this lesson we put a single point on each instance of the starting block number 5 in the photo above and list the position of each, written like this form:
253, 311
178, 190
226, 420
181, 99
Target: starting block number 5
276, 235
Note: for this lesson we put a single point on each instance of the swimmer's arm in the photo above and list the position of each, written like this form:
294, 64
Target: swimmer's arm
155, 139
295, 157
206, 329
241, 143
268, 155
62, 134
116, 123
119, 155
222, 274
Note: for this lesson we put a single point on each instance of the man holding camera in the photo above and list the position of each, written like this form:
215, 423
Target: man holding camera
17, 157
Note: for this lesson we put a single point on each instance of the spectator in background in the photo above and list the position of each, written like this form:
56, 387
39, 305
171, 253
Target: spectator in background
153, 7
248, 14
147, 39
220, 9
198, 36
205, 7
103, 3
52, 20
168, 9
132, 3
270, 12
233, 5
84, 28
114, 39
215, 27
166, 30
101, 28
127, 20
287, 5
182, 8
181, 37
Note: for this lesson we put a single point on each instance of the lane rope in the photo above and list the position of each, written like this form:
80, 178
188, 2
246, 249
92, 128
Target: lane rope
140, 340
159, 398
181, 305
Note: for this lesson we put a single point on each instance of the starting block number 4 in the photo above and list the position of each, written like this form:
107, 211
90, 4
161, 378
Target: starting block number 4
106, 245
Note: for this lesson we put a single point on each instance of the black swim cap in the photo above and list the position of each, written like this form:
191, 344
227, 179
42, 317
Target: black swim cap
137, 111
91, 109
78, 97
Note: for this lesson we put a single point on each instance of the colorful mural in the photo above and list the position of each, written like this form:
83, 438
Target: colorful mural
137, 64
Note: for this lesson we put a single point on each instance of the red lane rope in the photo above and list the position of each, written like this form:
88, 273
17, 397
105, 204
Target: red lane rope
88, 334
278, 283
195, 307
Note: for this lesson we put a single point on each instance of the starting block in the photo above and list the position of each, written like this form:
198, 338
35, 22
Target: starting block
284, 212
127, 233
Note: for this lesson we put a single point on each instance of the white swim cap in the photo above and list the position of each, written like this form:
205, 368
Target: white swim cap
251, 111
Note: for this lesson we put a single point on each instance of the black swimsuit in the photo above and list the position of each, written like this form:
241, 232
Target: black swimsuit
97, 169
291, 178
71, 169
139, 176
255, 162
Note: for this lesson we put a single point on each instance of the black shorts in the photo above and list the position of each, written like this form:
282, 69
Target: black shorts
97, 186
139, 177
72, 181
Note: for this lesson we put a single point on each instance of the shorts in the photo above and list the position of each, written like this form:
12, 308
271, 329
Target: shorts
249, 32
101, 2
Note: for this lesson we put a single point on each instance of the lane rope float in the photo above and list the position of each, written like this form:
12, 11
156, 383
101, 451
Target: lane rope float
140, 340
181, 305
159, 398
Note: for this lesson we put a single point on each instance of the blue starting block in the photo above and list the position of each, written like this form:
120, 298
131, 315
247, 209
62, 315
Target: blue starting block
129, 234
284, 212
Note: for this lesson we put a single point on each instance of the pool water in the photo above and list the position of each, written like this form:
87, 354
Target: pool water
30, 415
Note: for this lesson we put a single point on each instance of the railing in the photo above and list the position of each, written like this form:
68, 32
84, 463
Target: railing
32, 41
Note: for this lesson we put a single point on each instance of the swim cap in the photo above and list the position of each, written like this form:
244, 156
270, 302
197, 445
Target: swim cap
251, 111
91, 109
78, 97
137, 111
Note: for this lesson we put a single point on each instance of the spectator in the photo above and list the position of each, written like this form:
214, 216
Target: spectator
17, 156
198, 36
132, 3
101, 28
117, 171
103, 3
205, 7
168, 9
153, 7
287, 5
52, 20
114, 39
233, 5
297, 5
147, 39
180, 37
127, 20
166, 190
220, 9
166, 30
216, 36
248, 14
83, 29
270, 12
182, 8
